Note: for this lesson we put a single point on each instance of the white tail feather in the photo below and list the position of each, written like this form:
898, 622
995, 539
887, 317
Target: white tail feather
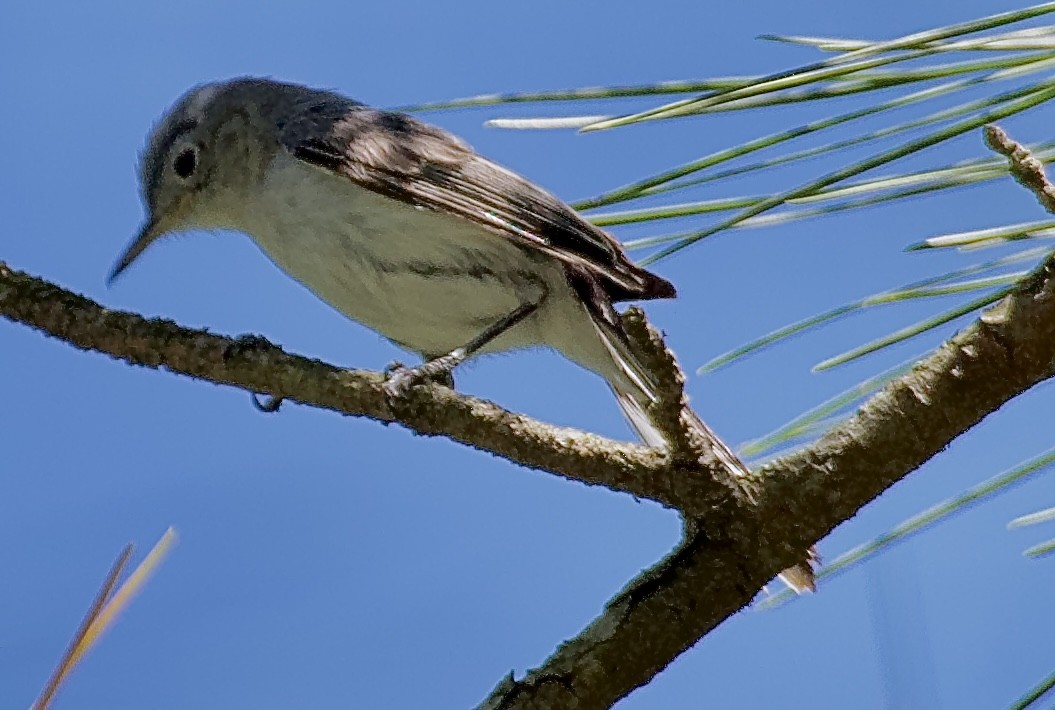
638, 420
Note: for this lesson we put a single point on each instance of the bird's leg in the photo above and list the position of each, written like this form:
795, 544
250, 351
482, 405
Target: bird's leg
401, 379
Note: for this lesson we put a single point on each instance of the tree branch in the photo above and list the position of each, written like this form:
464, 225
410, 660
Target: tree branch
735, 550
734, 545
254, 364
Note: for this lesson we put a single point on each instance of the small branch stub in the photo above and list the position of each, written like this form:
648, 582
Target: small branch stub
1027, 169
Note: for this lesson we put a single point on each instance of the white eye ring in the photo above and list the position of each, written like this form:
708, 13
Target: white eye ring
185, 162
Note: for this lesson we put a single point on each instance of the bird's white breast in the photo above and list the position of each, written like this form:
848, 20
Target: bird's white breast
424, 279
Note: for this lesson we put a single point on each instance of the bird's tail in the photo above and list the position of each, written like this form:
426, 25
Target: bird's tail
634, 390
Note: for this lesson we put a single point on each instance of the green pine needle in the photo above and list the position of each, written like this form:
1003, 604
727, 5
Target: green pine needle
1042, 516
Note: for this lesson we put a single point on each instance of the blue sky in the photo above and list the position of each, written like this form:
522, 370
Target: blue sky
327, 561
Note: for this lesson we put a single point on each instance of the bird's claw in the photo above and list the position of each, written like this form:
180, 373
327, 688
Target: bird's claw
268, 405
402, 379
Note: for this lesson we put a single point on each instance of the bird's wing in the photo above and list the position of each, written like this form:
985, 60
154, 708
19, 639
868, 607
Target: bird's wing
413, 162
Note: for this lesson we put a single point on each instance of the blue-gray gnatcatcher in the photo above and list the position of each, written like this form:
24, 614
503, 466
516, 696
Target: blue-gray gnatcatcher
401, 226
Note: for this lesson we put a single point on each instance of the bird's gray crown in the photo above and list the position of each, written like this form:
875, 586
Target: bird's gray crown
261, 104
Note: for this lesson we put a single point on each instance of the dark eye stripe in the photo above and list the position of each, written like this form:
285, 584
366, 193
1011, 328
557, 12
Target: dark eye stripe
157, 159
185, 126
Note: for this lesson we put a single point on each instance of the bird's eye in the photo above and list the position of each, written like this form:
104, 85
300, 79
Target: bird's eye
185, 163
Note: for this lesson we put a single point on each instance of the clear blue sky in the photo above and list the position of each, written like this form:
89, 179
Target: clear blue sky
334, 562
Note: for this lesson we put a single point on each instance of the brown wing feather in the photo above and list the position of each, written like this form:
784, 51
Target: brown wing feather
419, 164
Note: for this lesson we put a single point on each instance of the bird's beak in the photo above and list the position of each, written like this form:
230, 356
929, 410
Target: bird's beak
148, 233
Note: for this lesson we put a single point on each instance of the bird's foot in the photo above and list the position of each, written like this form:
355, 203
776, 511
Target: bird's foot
247, 345
268, 404
438, 371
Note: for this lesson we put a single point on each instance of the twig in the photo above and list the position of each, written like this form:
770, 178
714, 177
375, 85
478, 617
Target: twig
666, 413
254, 364
1026, 169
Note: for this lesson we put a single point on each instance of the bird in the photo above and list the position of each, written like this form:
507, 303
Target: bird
403, 227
